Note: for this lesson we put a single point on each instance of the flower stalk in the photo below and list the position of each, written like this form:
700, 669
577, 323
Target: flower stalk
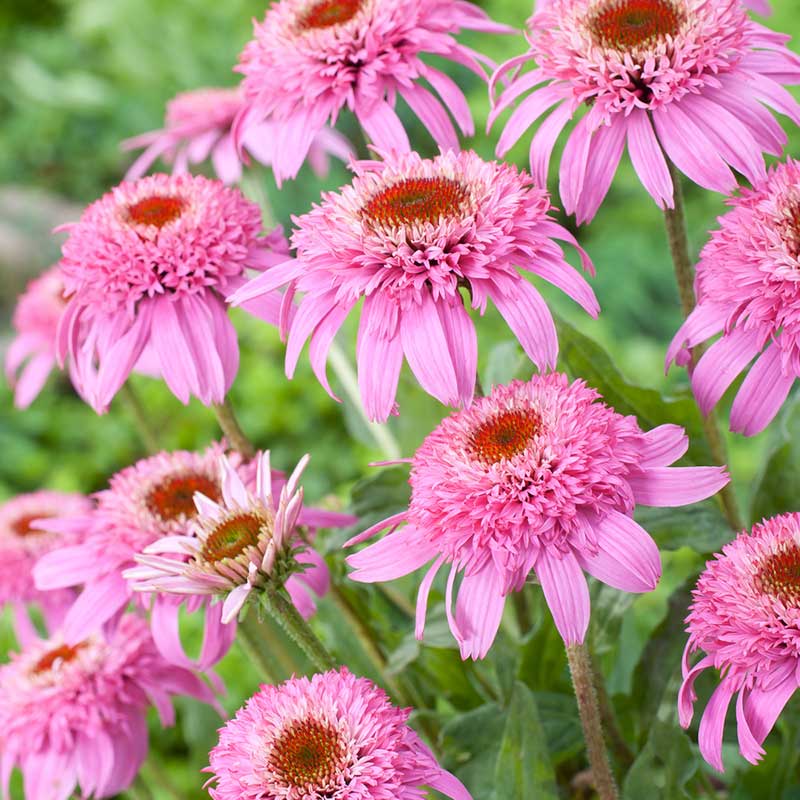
232, 430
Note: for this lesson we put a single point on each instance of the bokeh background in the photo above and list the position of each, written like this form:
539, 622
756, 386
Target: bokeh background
78, 76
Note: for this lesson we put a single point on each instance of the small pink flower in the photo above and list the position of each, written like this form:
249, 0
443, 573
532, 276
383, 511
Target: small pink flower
311, 59
240, 541
73, 717
333, 737
748, 289
745, 618
198, 125
540, 477
36, 319
22, 542
407, 236
150, 264
685, 76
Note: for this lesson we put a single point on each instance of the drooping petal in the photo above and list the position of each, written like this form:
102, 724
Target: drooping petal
677, 486
479, 609
395, 555
566, 592
709, 737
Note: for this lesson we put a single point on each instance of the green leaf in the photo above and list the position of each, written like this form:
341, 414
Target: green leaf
524, 768
504, 363
383, 493
700, 527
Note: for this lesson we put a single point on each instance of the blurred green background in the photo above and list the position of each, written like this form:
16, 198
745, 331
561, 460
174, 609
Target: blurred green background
81, 75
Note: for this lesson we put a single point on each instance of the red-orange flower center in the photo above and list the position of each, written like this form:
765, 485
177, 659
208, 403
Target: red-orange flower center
22, 525
504, 436
233, 536
173, 498
326, 13
626, 24
62, 654
416, 200
157, 210
779, 575
308, 753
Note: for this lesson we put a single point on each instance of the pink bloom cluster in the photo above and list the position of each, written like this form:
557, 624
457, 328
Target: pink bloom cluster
748, 289
199, 124
73, 718
540, 477
149, 264
407, 236
745, 619
309, 60
333, 736
681, 78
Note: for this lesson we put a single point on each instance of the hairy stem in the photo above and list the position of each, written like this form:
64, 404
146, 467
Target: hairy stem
675, 219
289, 618
250, 635
233, 431
141, 422
583, 682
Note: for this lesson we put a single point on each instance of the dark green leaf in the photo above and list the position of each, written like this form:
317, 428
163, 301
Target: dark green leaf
700, 527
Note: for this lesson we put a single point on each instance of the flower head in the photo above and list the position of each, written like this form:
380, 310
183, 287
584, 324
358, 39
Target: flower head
407, 235
73, 717
660, 76
149, 264
745, 619
311, 58
198, 126
330, 737
541, 477
747, 288
241, 541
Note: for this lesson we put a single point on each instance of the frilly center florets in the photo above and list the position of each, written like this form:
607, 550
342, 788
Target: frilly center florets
54, 658
22, 525
628, 24
327, 13
231, 537
416, 200
157, 210
779, 575
173, 498
504, 436
308, 754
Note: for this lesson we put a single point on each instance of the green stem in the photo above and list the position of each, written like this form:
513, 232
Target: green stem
522, 609
141, 421
675, 220
254, 643
584, 684
156, 775
140, 790
289, 618
233, 431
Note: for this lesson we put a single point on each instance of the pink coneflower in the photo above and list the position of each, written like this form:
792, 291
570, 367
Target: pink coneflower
311, 59
747, 288
36, 319
22, 542
745, 618
662, 76
408, 235
242, 540
331, 737
535, 477
198, 126
149, 264
73, 717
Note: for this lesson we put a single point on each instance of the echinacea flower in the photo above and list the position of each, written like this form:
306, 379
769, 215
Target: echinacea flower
23, 542
540, 477
198, 126
309, 60
150, 263
745, 618
73, 717
747, 288
407, 236
677, 79
241, 541
330, 737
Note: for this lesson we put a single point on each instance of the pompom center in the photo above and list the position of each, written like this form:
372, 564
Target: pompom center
22, 525
327, 13
627, 24
504, 435
62, 654
779, 575
173, 498
308, 754
158, 210
416, 200
233, 536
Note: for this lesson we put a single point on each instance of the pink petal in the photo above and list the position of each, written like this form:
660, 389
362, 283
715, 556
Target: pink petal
762, 707
317, 576
395, 555
686, 694
462, 342
749, 747
663, 446
432, 114
268, 281
64, 567
677, 486
709, 736
570, 281
321, 341
449, 785
705, 321
383, 126
479, 609
566, 593
422, 596
648, 159
174, 351
32, 379
97, 603
526, 113
543, 142
572, 173
605, 152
